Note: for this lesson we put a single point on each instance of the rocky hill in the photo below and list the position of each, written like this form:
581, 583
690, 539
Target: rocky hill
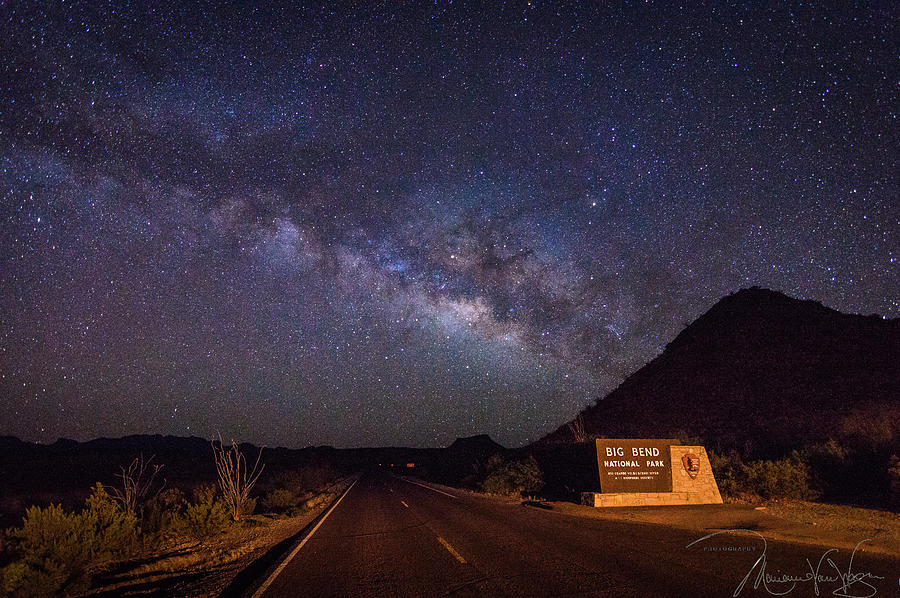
761, 376
762, 373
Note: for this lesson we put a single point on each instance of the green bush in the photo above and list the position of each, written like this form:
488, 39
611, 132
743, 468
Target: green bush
248, 507
280, 499
53, 556
512, 478
314, 475
206, 516
116, 531
57, 551
785, 478
309, 477
730, 473
18, 579
161, 513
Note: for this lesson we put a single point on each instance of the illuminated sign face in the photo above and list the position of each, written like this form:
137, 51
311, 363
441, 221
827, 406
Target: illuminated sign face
635, 464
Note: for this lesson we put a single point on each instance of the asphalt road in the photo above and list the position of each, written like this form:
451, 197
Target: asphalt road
392, 537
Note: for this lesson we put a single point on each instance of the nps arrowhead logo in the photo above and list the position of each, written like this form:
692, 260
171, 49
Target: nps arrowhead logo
691, 464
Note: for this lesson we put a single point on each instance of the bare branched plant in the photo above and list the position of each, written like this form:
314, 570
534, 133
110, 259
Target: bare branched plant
138, 483
576, 426
236, 479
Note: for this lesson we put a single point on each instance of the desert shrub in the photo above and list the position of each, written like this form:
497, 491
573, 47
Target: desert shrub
325, 473
310, 476
207, 515
868, 430
315, 474
730, 473
828, 463
784, 478
162, 511
116, 530
57, 550
280, 499
894, 482
285, 479
851, 470
248, 507
6, 548
53, 557
511, 478
311, 502
316, 500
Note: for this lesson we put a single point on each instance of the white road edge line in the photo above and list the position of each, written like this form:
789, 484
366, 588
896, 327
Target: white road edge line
430, 488
259, 592
449, 548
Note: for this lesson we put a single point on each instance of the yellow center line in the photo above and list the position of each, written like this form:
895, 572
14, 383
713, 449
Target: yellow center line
450, 549
404, 504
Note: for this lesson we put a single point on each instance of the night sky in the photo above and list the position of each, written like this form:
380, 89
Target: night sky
400, 224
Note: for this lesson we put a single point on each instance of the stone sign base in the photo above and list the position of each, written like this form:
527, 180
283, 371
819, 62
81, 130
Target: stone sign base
686, 490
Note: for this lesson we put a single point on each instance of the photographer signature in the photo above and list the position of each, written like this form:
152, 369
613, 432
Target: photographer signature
849, 580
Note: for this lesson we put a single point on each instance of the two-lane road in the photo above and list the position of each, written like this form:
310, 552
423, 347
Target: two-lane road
391, 536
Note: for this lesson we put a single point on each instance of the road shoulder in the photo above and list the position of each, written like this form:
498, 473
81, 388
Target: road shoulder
801, 522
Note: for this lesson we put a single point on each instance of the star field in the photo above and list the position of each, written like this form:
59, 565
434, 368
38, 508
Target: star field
406, 222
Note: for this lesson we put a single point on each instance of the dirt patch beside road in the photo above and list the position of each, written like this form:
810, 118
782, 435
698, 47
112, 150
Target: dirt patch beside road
835, 526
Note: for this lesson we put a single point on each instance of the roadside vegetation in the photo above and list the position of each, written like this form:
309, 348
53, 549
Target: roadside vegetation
858, 464
59, 553
511, 478
766, 479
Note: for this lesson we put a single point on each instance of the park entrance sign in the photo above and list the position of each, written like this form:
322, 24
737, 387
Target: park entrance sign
652, 471
634, 465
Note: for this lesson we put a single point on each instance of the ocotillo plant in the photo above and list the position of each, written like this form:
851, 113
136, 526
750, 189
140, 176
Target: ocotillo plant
138, 484
235, 478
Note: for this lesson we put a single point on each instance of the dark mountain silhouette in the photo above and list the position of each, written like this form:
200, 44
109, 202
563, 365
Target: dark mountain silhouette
65, 471
763, 374
460, 462
480, 445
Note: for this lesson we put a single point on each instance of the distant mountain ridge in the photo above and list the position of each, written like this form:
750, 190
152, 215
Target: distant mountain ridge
65, 470
763, 373
480, 443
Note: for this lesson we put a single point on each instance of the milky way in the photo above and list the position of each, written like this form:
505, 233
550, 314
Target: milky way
406, 223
